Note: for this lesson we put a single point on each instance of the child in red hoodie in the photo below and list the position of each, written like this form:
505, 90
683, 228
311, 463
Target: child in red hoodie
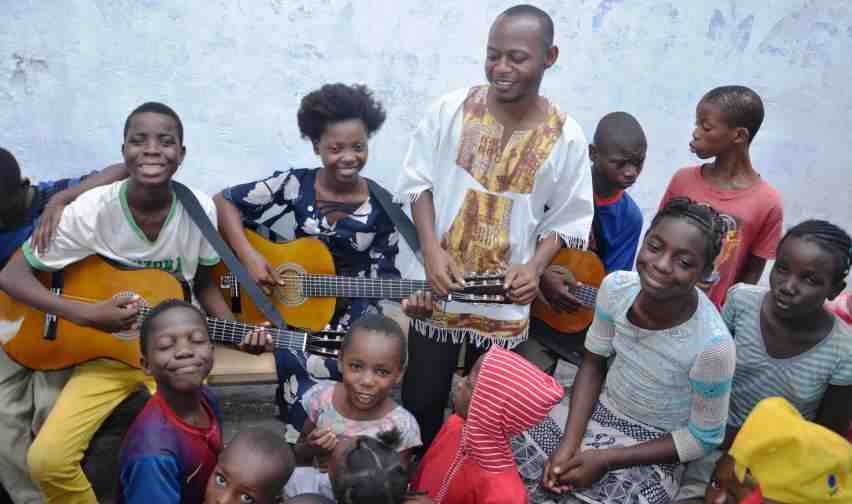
470, 461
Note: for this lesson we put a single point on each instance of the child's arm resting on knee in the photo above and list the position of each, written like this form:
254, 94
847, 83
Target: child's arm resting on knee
149, 479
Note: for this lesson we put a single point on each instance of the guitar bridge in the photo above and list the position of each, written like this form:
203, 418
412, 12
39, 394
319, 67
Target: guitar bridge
50, 320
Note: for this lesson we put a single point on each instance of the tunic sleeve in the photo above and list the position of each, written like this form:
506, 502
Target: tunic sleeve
418, 166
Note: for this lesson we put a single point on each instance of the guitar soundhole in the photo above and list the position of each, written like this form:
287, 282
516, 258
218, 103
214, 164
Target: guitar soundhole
291, 293
133, 333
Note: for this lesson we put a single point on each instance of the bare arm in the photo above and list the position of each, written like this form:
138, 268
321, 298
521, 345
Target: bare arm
231, 228
835, 411
19, 281
659, 451
45, 232
752, 271
313, 443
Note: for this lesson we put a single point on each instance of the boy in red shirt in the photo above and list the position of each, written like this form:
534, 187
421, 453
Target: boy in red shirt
726, 120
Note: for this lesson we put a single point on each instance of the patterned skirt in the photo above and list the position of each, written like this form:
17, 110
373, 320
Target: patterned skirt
649, 484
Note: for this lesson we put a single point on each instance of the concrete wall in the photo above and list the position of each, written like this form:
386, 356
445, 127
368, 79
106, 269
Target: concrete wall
70, 71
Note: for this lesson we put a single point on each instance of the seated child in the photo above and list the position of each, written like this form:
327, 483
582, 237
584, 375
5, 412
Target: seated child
27, 396
726, 121
664, 400
779, 457
369, 470
788, 344
171, 448
470, 461
373, 357
252, 469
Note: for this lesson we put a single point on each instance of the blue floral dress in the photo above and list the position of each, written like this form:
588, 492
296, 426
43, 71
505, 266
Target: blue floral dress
363, 244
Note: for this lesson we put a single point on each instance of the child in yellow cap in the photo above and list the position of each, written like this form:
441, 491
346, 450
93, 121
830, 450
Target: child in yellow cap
779, 457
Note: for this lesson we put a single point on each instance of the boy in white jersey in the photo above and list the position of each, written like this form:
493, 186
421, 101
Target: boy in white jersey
137, 222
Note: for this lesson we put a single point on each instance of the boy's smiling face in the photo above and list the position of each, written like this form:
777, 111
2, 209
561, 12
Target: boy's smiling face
152, 149
178, 351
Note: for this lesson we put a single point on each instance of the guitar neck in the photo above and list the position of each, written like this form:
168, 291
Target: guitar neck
355, 287
586, 295
231, 332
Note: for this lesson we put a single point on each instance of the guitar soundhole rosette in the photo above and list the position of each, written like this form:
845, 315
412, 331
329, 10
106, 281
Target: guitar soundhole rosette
132, 333
291, 293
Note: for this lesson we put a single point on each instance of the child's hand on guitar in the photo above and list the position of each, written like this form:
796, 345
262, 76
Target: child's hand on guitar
257, 341
262, 272
556, 285
521, 283
113, 315
441, 271
418, 305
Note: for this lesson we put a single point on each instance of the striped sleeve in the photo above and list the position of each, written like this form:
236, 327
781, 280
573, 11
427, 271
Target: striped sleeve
710, 378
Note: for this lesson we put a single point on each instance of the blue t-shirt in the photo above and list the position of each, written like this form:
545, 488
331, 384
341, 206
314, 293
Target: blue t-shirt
164, 460
11, 240
615, 232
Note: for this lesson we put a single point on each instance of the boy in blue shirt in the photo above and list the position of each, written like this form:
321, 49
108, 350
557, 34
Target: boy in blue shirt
30, 209
617, 155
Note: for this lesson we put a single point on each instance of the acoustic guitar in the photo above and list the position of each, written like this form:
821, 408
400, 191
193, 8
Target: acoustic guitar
589, 273
310, 291
42, 341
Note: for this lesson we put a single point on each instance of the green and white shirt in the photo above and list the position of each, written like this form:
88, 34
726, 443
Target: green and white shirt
100, 222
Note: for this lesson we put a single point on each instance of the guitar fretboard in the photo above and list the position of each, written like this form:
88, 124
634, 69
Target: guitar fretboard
354, 287
232, 333
586, 295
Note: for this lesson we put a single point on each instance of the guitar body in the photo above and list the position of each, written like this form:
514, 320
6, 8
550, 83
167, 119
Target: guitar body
304, 255
588, 270
22, 328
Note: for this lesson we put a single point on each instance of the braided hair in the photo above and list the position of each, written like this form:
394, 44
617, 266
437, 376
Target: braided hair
713, 225
372, 472
830, 238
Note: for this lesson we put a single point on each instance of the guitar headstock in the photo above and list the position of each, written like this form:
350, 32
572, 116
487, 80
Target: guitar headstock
326, 343
481, 288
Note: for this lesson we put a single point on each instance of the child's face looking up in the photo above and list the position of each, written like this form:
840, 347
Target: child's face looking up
371, 365
672, 259
178, 352
242, 477
152, 148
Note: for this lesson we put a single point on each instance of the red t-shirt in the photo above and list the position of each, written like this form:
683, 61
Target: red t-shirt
754, 216
471, 483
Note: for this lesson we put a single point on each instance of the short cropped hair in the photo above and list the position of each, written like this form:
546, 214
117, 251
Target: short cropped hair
156, 108
618, 128
381, 324
741, 106
10, 173
534, 12
334, 103
170, 304
829, 237
272, 447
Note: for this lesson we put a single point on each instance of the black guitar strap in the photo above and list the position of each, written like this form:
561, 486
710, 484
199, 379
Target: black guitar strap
401, 221
199, 216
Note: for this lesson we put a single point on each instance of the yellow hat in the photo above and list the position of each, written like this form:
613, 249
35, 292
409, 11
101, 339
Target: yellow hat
794, 461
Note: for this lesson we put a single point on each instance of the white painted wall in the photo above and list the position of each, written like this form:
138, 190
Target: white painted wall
70, 71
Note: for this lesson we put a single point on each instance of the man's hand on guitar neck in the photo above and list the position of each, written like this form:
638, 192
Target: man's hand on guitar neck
258, 341
556, 284
418, 305
441, 271
521, 283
